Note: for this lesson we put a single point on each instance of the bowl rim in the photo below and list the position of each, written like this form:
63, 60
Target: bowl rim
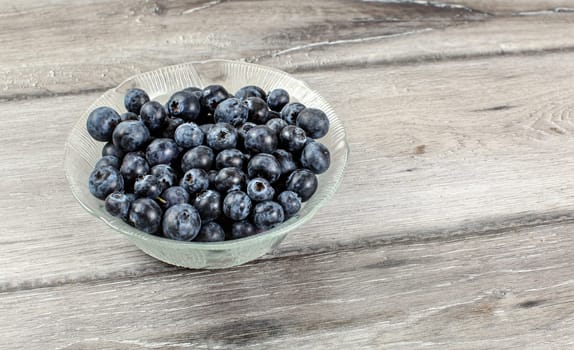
279, 230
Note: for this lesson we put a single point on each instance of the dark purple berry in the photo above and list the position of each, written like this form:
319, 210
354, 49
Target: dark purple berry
229, 158
195, 181
290, 202
184, 105
105, 180
277, 99
250, 91
303, 182
260, 139
258, 111
145, 214
221, 136
259, 190
188, 135
232, 111
264, 165
316, 157
148, 186
267, 215
102, 122
237, 205
112, 161
213, 95
314, 122
242, 229
131, 135
230, 179
290, 112
172, 196
210, 232
208, 204
134, 99
200, 157
181, 222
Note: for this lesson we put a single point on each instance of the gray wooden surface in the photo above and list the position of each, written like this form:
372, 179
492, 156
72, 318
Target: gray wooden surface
452, 228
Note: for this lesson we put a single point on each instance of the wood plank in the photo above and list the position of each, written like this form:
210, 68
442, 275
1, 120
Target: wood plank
38, 60
512, 7
505, 36
511, 291
444, 149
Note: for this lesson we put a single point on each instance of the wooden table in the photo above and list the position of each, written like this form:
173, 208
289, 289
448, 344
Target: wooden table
453, 228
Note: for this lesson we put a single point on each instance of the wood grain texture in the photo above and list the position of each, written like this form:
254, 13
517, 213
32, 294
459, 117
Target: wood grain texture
101, 43
429, 157
503, 291
451, 230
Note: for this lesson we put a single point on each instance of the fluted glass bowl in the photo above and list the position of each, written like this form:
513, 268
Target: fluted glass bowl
82, 152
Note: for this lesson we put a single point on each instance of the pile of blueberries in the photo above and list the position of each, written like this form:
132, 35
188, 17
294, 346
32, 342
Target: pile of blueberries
208, 166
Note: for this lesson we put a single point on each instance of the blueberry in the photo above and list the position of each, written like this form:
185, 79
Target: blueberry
148, 186
184, 105
112, 161
290, 112
129, 116
101, 123
277, 99
200, 157
292, 138
230, 179
209, 205
188, 135
211, 175
153, 115
162, 151
210, 232
276, 124
135, 99
110, 149
170, 126
267, 215
229, 158
303, 182
237, 205
133, 166
290, 202
145, 214
286, 161
194, 181
243, 129
193, 90
242, 229
316, 157
172, 196
314, 122
181, 222
274, 114
258, 111
221, 136
118, 204
213, 95
105, 180
232, 111
165, 174
259, 190
264, 165
260, 139
131, 135
205, 128
250, 91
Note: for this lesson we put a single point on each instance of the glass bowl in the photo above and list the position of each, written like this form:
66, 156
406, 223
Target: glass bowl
82, 152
